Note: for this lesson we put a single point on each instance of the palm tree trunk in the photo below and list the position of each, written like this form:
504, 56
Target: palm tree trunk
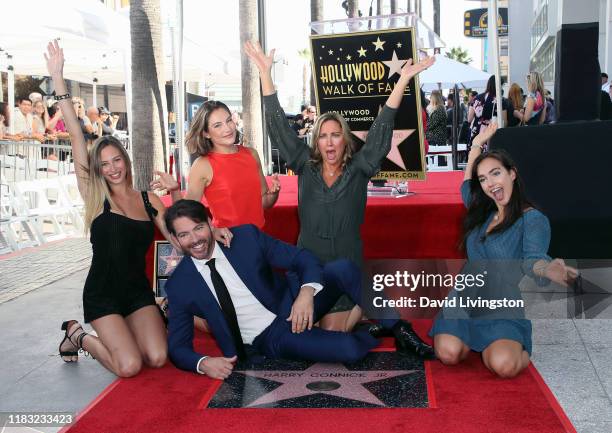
436, 19
251, 96
148, 92
353, 8
316, 14
393, 7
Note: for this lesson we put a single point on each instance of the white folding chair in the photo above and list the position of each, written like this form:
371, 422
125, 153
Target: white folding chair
14, 226
71, 192
34, 195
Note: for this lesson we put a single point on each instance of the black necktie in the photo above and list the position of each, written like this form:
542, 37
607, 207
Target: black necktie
227, 306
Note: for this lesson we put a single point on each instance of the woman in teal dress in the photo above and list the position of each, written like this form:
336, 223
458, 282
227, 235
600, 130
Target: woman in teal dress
503, 233
333, 180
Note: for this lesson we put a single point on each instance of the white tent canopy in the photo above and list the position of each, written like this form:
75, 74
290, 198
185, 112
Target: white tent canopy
449, 72
95, 40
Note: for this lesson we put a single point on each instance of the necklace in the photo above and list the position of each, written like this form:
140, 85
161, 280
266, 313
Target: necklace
330, 173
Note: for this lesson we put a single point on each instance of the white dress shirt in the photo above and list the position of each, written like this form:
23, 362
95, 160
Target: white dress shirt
253, 317
22, 124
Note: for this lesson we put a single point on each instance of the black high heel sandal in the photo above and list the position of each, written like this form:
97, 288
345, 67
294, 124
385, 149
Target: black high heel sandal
74, 352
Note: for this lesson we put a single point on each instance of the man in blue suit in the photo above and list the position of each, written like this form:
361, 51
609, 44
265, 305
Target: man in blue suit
246, 303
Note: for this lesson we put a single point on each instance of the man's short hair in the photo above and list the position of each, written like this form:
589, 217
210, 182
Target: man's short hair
474, 93
192, 209
21, 100
604, 75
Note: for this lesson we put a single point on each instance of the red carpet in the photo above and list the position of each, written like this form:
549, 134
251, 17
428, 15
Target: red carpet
465, 399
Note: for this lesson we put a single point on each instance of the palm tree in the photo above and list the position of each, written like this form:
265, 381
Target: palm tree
460, 55
316, 14
148, 92
251, 96
353, 8
393, 7
436, 19
305, 56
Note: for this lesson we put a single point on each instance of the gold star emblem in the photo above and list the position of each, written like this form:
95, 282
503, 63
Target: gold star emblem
362, 52
379, 44
348, 57
399, 45
330, 52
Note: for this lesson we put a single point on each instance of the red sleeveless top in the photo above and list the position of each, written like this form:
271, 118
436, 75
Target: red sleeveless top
234, 195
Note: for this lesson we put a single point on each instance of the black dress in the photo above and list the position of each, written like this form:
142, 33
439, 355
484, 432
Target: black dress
117, 283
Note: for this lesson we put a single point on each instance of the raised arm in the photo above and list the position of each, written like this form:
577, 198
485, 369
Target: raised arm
408, 72
378, 140
55, 66
292, 149
485, 134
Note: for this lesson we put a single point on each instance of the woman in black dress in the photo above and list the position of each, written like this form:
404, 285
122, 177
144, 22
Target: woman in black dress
117, 300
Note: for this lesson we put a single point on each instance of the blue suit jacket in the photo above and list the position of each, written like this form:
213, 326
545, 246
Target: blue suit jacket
252, 255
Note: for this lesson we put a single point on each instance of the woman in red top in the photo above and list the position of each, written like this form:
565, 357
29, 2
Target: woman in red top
227, 177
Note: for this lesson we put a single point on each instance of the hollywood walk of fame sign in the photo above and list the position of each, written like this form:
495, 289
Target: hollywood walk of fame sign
382, 379
354, 75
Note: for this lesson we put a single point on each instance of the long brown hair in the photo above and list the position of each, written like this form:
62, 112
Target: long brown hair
97, 187
195, 140
515, 96
481, 205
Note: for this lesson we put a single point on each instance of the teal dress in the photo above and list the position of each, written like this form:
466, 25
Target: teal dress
516, 250
331, 217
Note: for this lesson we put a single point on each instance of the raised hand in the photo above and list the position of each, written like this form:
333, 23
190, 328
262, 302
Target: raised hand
164, 181
409, 70
256, 54
55, 59
485, 134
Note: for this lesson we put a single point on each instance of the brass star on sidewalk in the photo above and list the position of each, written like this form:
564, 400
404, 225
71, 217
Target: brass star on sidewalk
379, 44
346, 383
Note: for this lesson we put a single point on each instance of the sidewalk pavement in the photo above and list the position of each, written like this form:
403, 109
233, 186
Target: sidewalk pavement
42, 287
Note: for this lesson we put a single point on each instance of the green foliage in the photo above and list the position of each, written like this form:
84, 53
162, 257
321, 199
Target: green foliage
459, 54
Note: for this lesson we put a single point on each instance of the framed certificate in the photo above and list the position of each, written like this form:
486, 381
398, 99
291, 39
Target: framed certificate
166, 259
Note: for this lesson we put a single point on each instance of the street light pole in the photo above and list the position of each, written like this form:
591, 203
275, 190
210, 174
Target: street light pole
494, 44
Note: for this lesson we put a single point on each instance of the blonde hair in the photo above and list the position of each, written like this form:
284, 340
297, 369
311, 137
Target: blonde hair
435, 101
195, 140
515, 96
315, 153
535, 83
97, 187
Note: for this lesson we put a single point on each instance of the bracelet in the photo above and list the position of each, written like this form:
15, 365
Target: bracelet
60, 97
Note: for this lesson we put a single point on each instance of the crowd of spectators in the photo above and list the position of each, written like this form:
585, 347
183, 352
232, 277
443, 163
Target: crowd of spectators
42, 120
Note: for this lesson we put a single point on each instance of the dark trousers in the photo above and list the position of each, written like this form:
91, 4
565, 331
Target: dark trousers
277, 341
